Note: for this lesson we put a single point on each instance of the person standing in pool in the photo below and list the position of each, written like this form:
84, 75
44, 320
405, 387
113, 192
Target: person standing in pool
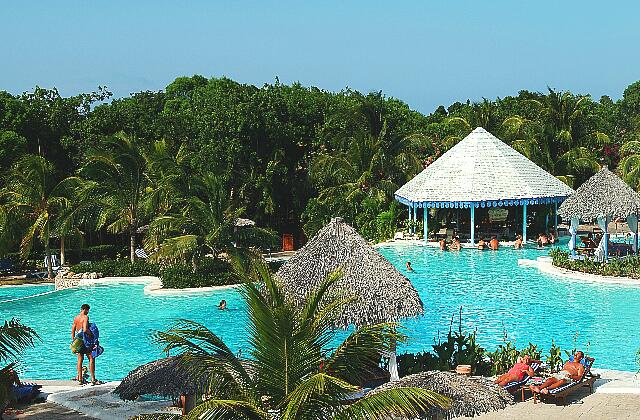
409, 268
78, 329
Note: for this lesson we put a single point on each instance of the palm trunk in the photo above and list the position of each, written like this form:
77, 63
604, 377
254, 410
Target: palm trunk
132, 246
61, 249
47, 253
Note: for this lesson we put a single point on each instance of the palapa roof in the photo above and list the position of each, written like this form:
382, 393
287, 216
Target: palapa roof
470, 396
604, 194
382, 293
481, 170
165, 377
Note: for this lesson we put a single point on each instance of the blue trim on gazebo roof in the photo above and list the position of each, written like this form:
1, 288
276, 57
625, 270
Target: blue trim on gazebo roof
480, 204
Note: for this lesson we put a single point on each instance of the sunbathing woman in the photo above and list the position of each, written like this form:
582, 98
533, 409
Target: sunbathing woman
517, 372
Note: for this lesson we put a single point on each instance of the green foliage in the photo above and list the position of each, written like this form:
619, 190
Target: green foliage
209, 272
119, 268
627, 267
554, 359
289, 372
459, 348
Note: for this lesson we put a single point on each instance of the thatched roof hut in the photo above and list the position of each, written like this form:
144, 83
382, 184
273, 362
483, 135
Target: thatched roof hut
382, 293
165, 377
470, 396
602, 195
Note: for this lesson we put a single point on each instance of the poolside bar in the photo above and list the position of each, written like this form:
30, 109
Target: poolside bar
481, 172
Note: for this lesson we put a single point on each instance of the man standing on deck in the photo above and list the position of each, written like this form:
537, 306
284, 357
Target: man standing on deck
81, 326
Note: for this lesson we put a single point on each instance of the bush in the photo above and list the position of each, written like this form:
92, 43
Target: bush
627, 267
209, 272
119, 268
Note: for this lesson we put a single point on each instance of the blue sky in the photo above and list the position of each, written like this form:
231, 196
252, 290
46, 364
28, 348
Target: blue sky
426, 53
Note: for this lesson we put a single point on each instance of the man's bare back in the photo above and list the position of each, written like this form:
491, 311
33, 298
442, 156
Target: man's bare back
80, 323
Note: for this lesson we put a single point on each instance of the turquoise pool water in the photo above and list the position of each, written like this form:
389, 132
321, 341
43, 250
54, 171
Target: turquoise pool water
495, 293
16, 292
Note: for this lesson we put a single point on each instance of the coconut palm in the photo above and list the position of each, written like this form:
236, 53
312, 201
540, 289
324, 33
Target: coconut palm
291, 372
15, 337
629, 166
201, 223
118, 172
35, 199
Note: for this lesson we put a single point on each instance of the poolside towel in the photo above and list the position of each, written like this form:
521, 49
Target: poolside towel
91, 340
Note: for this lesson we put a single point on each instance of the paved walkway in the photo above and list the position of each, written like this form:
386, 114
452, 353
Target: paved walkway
45, 411
581, 406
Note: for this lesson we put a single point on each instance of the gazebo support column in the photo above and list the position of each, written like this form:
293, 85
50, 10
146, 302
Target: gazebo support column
415, 218
605, 238
473, 224
409, 225
524, 223
555, 217
425, 217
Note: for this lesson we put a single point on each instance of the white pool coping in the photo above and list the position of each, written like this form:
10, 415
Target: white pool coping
545, 265
153, 285
99, 402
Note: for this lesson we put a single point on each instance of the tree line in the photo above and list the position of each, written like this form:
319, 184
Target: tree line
171, 170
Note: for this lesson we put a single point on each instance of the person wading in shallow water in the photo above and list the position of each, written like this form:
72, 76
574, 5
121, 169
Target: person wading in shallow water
79, 328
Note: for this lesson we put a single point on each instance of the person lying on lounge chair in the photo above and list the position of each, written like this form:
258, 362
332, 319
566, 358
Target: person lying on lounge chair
517, 372
571, 372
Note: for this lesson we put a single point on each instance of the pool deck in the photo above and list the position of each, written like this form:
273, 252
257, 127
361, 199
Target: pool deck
616, 396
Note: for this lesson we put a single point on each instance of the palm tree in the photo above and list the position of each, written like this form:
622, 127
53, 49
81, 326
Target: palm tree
118, 172
629, 166
199, 224
33, 198
15, 337
290, 372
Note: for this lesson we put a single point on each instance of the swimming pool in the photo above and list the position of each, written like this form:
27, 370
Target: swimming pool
496, 295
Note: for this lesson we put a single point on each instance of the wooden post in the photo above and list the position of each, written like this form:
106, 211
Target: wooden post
524, 223
473, 224
415, 218
425, 216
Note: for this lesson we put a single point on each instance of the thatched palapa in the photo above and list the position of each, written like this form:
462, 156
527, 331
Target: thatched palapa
470, 396
602, 195
382, 293
166, 377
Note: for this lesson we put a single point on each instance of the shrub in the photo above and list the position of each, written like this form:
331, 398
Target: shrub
208, 272
628, 267
119, 268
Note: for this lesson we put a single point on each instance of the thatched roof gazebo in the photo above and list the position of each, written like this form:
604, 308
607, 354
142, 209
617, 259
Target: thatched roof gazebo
481, 171
165, 377
602, 198
382, 293
470, 396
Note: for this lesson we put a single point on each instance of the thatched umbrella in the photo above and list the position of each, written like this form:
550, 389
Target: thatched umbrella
165, 377
601, 198
470, 396
382, 293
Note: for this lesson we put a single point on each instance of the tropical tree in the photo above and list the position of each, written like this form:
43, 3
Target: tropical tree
200, 223
118, 174
35, 199
629, 166
15, 337
291, 373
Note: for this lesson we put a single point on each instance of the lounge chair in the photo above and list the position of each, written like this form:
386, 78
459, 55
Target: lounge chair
560, 393
6, 267
515, 386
